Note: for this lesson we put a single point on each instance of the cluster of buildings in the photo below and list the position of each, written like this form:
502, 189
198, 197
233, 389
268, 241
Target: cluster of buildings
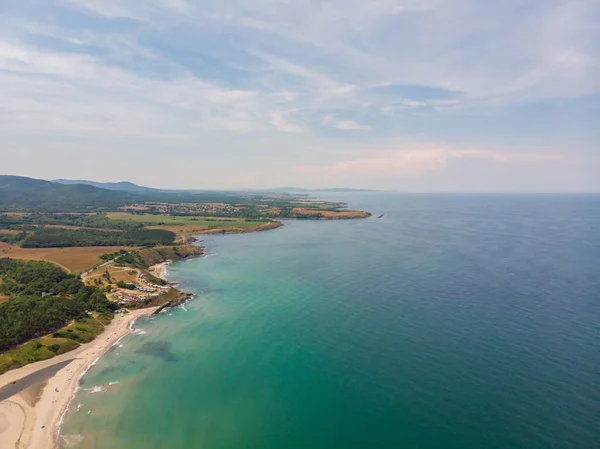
151, 291
126, 298
151, 286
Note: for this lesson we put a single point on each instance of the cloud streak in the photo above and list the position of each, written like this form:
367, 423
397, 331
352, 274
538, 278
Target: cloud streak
427, 159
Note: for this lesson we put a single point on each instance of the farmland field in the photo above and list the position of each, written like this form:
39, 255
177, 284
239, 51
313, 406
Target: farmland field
331, 214
150, 219
189, 224
75, 259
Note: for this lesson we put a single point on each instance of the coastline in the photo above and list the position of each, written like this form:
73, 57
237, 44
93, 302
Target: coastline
31, 418
160, 270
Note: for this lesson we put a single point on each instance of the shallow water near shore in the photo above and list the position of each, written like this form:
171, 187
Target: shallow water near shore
451, 322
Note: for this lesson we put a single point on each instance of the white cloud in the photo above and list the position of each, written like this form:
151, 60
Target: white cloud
347, 125
281, 123
350, 125
429, 157
498, 53
142, 10
238, 124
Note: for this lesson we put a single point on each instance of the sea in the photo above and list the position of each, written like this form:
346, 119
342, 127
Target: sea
443, 321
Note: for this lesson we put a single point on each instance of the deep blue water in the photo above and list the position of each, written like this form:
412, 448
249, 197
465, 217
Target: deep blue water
455, 321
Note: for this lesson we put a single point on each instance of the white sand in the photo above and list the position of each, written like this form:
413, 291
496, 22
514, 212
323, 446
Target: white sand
159, 270
20, 423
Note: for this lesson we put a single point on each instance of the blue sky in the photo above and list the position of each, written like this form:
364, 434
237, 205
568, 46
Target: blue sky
416, 95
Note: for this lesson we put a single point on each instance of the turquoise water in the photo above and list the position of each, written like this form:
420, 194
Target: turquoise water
452, 322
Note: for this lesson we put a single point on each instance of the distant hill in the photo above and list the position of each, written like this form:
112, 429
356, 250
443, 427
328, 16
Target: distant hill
21, 193
301, 190
123, 185
342, 189
127, 186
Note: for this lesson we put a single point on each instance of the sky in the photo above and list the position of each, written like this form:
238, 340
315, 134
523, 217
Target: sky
410, 95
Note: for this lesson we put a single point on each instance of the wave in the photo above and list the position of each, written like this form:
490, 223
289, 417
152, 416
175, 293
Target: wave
96, 389
72, 440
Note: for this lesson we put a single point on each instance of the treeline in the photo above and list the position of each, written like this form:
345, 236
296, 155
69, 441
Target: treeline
12, 238
60, 238
42, 299
29, 221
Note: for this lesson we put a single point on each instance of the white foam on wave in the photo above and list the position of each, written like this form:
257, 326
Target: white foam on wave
60, 421
113, 383
96, 389
72, 440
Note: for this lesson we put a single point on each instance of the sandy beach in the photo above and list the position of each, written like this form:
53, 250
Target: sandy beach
34, 398
160, 270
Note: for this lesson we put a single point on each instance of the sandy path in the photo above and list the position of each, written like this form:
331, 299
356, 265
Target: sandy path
30, 421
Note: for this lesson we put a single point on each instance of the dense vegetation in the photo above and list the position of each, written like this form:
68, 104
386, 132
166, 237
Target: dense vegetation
12, 238
60, 238
30, 221
26, 194
42, 299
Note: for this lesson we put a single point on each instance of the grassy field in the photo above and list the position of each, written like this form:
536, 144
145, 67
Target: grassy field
171, 220
191, 225
331, 214
74, 260
322, 205
231, 227
117, 274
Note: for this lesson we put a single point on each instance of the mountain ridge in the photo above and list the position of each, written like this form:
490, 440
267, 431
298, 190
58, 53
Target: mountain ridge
124, 186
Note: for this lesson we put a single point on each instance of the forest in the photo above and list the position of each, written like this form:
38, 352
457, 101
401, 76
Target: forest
30, 221
42, 299
62, 238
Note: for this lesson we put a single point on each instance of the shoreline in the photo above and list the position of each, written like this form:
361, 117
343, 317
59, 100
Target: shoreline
160, 270
31, 418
